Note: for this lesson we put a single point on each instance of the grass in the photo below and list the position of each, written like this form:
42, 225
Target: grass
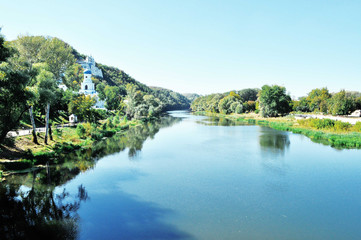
23, 154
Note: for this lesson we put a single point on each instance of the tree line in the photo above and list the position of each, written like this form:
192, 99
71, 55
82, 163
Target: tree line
274, 101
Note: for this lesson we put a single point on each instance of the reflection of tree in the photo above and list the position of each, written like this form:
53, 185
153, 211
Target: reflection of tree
273, 144
216, 121
133, 139
273, 140
38, 213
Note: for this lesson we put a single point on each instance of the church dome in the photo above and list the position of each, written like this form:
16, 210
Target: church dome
87, 71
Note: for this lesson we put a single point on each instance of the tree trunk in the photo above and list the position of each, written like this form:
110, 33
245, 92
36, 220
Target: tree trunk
35, 139
47, 123
50, 133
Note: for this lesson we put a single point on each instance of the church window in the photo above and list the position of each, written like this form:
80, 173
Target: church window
86, 87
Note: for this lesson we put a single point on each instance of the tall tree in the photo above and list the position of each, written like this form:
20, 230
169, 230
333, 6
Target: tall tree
341, 103
274, 101
29, 48
82, 106
14, 94
47, 87
57, 55
318, 99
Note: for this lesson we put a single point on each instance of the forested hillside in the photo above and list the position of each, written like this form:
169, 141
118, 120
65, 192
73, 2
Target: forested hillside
31, 68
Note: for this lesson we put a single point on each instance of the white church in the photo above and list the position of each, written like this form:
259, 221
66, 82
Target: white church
88, 89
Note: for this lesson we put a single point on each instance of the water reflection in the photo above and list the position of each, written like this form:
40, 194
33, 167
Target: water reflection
128, 217
273, 141
31, 208
35, 211
273, 145
216, 121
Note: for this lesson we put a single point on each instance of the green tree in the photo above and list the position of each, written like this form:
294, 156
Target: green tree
318, 99
14, 92
29, 48
57, 55
273, 101
225, 104
82, 106
341, 103
248, 94
46, 87
302, 105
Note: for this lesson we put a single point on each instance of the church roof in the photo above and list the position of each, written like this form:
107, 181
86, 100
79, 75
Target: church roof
87, 71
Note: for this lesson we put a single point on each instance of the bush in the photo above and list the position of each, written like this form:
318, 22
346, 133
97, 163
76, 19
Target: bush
322, 123
342, 126
357, 127
96, 136
81, 131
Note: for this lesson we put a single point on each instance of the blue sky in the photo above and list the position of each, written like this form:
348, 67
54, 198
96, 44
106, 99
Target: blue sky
207, 46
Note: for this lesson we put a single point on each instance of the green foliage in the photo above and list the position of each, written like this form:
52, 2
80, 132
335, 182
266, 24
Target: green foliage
170, 100
191, 96
81, 131
225, 104
317, 100
57, 55
302, 105
274, 101
140, 106
249, 94
15, 95
341, 103
82, 106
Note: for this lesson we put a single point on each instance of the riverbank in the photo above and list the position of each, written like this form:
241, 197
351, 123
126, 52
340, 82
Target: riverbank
326, 131
21, 154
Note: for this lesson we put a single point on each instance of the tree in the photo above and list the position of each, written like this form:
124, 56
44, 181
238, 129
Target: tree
114, 96
274, 101
302, 105
29, 48
57, 55
341, 103
225, 104
248, 94
14, 94
318, 99
82, 106
47, 87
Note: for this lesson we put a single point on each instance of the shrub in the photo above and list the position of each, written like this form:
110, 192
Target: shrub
342, 126
81, 131
357, 127
96, 136
322, 123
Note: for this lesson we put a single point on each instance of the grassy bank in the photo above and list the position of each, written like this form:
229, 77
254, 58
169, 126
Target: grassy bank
335, 133
20, 154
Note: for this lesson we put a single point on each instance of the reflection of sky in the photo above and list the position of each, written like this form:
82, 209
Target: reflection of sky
212, 182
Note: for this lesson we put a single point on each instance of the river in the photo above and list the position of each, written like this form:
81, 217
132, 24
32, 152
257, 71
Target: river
192, 177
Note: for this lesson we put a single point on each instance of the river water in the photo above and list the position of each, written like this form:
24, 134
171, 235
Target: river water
195, 177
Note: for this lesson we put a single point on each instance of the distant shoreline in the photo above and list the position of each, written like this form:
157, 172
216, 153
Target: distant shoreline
337, 139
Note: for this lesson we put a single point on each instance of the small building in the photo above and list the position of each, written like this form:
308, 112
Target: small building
63, 87
73, 118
